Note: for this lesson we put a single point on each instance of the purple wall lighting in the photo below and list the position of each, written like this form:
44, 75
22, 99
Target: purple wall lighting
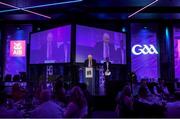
16, 33
144, 51
100, 43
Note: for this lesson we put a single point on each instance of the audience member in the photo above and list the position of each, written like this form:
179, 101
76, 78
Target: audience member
88, 97
48, 108
59, 93
77, 107
125, 103
7, 109
17, 93
161, 90
135, 87
144, 84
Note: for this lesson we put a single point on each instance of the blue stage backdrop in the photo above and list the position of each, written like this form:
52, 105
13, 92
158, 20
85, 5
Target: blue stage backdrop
144, 51
16, 37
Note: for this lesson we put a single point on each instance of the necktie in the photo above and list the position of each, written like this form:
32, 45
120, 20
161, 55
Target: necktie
107, 65
106, 50
89, 63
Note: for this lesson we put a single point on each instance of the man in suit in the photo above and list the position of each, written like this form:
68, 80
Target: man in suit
91, 82
107, 67
90, 62
105, 47
107, 72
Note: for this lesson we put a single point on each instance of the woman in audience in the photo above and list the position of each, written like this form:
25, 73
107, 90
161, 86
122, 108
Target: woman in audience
125, 103
48, 108
77, 107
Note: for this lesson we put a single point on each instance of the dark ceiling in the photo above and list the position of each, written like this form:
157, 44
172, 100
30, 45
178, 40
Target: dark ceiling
94, 9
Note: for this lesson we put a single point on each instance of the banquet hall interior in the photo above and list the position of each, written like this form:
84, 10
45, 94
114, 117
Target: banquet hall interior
89, 58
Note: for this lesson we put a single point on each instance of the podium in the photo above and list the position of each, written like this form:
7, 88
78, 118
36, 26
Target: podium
88, 76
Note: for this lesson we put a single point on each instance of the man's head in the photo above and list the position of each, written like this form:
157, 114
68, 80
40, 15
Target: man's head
90, 57
107, 59
106, 37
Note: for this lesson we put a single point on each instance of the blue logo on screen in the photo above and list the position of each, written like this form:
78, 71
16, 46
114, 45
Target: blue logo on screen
144, 49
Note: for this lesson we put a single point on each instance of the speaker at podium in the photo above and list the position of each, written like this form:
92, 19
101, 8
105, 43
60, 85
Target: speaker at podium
90, 74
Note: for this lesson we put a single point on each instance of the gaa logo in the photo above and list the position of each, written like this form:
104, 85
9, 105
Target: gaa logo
144, 49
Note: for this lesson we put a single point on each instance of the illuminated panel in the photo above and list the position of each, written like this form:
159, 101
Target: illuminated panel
144, 51
18, 48
16, 62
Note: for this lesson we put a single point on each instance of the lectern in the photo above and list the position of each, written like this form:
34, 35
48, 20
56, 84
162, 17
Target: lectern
89, 78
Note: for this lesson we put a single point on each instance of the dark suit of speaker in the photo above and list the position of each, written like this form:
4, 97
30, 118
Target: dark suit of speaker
86, 63
105, 66
91, 82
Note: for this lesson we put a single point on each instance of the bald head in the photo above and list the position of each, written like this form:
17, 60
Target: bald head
89, 56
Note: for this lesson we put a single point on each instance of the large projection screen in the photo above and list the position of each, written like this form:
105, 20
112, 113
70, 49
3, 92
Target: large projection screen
51, 46
100, 43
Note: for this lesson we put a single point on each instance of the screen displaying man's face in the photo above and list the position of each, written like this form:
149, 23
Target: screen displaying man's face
51, 46
100, 43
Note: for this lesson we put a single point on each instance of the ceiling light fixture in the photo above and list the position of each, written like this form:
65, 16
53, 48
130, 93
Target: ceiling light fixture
18, 8
43, 5
143, 8
53, 4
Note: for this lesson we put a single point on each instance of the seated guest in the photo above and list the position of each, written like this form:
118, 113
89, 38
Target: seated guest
151, 106
59, 92
88, 97
77, 107
125, 103
161, 89
143, 95
144, 84
148, 99
135, 87
7, 108
17, 93
48, 108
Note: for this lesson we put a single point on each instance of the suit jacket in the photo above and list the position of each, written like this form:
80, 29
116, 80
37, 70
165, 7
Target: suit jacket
86, 63
105, 66
98, 50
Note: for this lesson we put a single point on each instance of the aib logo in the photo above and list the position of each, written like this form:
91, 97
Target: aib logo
17, 48
144, 49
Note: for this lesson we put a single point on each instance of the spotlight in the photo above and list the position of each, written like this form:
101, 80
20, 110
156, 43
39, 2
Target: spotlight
145, 27
123, 29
